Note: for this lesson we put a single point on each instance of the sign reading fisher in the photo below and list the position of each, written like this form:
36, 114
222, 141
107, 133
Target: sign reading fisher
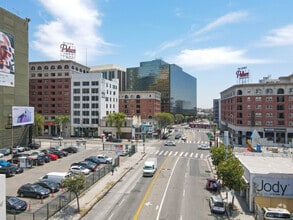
67, 51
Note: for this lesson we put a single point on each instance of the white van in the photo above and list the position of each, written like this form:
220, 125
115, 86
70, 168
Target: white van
56, 177
150, 167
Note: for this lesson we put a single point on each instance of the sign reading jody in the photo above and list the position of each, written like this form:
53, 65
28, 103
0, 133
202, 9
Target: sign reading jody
273, 186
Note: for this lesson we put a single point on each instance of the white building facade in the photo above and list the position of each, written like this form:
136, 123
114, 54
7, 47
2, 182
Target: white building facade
93, 98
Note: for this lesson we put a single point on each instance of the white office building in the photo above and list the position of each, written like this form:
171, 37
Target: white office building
93, 98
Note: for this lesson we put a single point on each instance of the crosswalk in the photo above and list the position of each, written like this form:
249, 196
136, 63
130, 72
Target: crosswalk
189, 142
170, 153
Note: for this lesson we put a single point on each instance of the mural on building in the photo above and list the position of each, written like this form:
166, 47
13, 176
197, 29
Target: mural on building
6, 59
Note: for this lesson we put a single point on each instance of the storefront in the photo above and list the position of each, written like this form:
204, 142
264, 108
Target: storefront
269, 178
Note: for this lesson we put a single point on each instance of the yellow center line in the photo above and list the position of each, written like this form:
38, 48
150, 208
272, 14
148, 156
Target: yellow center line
149, 190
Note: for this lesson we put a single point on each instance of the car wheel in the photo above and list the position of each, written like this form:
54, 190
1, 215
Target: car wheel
21, 195
38, 196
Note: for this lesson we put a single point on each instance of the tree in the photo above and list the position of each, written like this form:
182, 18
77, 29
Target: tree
38, 127
75, 183
164, 119
60, 121
230, 171
219, 154
117, 119
179, 118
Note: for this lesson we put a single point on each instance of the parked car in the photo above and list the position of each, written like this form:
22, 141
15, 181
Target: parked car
79, 170
104, 159
8, 171
52, 186
15, 205
94, 160
52, 156
86, 164
212, 184
1, 155
56, 152
34, 146
274, 214
6, 151
19, 148
4, 163
183, 138
217, 205
33, 191
170, 143
15, 157
71, 149
17, 169
58, 138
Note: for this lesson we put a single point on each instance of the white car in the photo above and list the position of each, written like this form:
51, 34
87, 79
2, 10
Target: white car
204, 147
217, 205
79, 170
58, 138
170, 143
105, 159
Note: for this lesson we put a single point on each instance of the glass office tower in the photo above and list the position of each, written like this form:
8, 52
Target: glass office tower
178, 89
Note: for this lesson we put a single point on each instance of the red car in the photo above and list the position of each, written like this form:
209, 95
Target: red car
212, 184
53, 156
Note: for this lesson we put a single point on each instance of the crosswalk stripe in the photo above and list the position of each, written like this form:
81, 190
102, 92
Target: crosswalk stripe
176, 153
161, 153
191, 155
185, 155
196, 154
171, 152
165, 153
181, 154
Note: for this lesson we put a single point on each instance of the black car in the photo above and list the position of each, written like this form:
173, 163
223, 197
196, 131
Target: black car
8, 171
33, 191
17, 169
34, 146
93, 159
52, 186
71, 149
15, 205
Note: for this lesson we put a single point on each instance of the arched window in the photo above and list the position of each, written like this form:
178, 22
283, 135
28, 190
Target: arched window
138, 96
59, 67
66, 67
46, 67
52, 67
126, 97
39, 68
280, 91
239, 92
33, 68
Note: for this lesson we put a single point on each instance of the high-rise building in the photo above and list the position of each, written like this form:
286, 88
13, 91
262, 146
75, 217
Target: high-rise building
50, 90
178, 89
13, 76
266, 107
93, 98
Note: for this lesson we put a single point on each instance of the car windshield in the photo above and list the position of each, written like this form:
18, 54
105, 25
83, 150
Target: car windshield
37, 187
219, 204
12, 200
278, 215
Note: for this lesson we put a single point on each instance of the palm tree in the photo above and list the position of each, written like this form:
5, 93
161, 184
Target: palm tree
60, 121
117, 119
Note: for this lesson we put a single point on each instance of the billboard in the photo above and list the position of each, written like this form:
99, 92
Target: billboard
22, 115
7, 68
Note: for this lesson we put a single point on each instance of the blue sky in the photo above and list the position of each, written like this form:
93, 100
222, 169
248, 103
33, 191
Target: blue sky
208, 39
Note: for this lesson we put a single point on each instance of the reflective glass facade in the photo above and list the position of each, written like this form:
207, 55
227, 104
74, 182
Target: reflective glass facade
178, 89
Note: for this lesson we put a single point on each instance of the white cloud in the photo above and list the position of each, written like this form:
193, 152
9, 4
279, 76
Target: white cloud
233, 17
212, 57
280, 37
73, 21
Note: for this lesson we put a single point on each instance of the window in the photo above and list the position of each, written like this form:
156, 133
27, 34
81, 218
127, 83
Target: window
280, 91
248, 99
76, 91
258, 91
86, 83
258, 98
269, 106
76, 83
269, 91
269, 98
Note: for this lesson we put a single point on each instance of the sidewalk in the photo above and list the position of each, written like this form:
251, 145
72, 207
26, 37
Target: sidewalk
241, 210
90, 197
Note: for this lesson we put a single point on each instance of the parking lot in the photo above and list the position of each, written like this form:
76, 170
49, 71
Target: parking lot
31, 175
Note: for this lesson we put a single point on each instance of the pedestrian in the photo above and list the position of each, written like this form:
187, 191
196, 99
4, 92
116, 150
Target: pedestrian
112, 169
